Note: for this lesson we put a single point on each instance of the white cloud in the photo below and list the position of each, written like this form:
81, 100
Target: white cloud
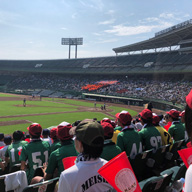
74, 15
110, 12
64, 28
107, 22
122, 30
97, 34
167, 15
149, 20
93, 4
107, 41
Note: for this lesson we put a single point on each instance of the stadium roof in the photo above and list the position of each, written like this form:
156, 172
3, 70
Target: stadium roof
165, 38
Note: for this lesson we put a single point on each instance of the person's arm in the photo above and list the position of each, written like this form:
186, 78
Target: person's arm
23, 166
48, 176
2, 166
6, 161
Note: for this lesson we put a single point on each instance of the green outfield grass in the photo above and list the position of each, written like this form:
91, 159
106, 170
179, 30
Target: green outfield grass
40, 112
7, 95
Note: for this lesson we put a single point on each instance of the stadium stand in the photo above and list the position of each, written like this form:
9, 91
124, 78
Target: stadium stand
160, 76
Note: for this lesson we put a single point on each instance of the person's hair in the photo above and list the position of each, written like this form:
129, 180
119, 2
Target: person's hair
93, 152
188, 120
161, 117
8, 140
147, 121
76, 123
37, 136
18, 135
127, 124
174, 119
156, 124
166, 116
150, 106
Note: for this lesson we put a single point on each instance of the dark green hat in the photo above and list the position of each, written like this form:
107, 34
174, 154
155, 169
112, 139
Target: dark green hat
88, 130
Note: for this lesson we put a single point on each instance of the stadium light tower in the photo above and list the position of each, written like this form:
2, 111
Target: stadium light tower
72, 41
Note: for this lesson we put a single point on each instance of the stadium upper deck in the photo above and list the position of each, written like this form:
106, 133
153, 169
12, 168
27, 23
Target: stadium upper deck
178, 35
167, 62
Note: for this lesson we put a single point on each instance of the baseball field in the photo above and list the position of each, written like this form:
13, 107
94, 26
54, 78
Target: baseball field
51, 112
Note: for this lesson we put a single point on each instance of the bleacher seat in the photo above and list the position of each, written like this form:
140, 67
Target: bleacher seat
178, 172
156, 183
139, 164
172, 155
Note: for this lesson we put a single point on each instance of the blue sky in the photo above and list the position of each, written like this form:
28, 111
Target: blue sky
32, 29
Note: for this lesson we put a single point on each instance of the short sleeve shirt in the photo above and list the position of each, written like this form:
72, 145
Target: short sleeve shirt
14, 151
129, 141
177, 131
150, 137
55, 161
110, 150
37, 153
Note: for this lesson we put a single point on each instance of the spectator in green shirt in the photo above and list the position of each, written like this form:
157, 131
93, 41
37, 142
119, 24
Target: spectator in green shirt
110, 149
128, 139
176, 130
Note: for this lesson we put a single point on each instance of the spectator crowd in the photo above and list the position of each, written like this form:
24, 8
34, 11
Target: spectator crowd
93, 143
168, 89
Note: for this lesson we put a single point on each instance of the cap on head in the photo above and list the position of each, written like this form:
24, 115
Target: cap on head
146, 114
156, 119
106, 120
35, 129
87, 131
173, 113
53, 133
124, 117
182, 114
189, 99
63, 131
108, 130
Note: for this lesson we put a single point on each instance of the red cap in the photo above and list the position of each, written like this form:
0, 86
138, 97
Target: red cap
173, 113
53, 133
35, 129
106, 120
108, 129
182, 114
63, 131
146, 114
156, 118
113, 124
124, 117
189, 99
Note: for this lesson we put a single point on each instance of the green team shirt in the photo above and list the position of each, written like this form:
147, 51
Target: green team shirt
13, 152
55, 160
37, 153
150, 137
177, 131
110, 150
129, 141
118, 128
55, 145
